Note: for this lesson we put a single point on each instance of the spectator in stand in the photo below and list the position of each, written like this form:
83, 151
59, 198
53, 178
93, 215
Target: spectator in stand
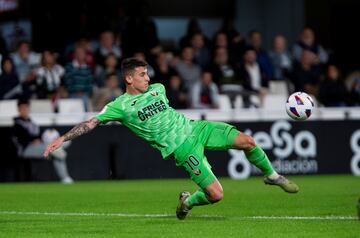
25, 61
352, 83
109, 66
355, 92
187, 69
78, 78
107, 46
86, 45
220, 41
236, 43
225, 75
205, 94
49, 76
202, 55
254, 79
280, 58
176, 94
332, 90
308, 42
163, 70
223, 71
306, 75
255, 41
193, 28
10, 87
31, 143
107, 93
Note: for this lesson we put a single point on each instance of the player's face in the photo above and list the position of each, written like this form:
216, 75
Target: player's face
139, 80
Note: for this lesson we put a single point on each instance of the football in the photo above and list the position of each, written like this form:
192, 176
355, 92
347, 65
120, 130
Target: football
299, 106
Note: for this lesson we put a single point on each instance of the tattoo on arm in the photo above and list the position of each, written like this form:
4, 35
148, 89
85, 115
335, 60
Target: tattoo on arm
82, 128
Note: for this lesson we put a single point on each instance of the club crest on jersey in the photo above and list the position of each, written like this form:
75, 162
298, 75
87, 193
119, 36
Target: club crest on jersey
154, 93
197, 172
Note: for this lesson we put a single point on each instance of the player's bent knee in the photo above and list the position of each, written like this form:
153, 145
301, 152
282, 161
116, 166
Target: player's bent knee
244, 142
216, 196
250, 143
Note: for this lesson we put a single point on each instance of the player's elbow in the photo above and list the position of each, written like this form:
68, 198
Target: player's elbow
93, 122
91, 125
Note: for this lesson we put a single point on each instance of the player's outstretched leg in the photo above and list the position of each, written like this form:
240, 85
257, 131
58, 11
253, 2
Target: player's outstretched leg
257, 157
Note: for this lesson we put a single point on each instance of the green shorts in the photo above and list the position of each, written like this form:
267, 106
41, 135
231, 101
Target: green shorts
205, 135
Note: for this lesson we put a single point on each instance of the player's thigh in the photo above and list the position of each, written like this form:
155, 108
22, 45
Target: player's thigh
190, 156
199, 170
221, 136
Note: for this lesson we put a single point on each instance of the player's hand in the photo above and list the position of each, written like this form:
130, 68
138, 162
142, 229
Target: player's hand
53, 146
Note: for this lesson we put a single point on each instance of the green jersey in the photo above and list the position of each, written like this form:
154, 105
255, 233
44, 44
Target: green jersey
150, 117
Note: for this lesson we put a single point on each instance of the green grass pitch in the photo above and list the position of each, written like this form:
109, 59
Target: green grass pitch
324, 207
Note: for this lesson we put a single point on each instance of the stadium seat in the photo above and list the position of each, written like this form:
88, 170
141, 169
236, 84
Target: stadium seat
8, 108
71, 106
238, 103
44, 119
224, 102
278, 87
41, 106
68, 119
71, 111
330, 113
274, 101
354, 113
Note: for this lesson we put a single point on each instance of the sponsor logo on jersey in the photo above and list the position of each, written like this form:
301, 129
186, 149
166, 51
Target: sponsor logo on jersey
132, 104
151, 110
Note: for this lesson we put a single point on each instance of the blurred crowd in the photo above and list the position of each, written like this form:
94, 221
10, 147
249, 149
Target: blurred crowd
195, 72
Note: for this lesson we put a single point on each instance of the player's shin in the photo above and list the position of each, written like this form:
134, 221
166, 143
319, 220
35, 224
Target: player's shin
197, 199
257, 157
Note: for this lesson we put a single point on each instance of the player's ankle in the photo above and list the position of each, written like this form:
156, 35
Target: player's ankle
274, 175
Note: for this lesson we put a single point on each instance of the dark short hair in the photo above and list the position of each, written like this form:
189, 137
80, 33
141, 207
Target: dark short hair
23, 101
128, 65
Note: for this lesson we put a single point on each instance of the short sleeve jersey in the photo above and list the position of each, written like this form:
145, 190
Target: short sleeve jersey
150, 117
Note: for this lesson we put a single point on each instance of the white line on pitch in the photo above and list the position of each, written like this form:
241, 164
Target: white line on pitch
93, 214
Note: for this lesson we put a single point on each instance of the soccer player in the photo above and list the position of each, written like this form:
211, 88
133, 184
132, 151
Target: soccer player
144, 109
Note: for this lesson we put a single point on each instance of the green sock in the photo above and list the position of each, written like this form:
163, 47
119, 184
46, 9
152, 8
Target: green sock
197, 199
258, 158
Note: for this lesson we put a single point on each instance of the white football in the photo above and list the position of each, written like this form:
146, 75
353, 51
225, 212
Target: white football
299, 106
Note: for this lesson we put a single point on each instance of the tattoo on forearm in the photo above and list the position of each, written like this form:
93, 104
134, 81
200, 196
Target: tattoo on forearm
82, 128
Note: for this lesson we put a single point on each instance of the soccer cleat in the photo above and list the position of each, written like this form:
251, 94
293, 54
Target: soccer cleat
67, 180
287, 185
182, 209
